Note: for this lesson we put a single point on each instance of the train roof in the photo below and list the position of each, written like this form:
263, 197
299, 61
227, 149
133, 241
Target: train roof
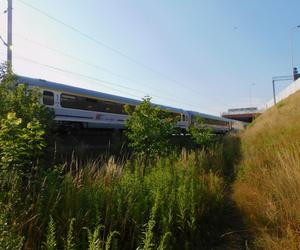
76, 90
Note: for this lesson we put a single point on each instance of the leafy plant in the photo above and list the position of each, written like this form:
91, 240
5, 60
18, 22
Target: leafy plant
51, 244
149, 129
16, 97
24, 129
9, 238
200, 132
20, 146
149, 234
70, 245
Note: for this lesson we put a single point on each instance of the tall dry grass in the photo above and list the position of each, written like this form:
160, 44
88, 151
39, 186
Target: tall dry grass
268, 184
176, 203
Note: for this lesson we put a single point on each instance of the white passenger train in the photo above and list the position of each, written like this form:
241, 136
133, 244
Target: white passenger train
80, 107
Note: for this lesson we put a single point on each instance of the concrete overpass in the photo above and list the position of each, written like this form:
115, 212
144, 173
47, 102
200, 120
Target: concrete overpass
242, 114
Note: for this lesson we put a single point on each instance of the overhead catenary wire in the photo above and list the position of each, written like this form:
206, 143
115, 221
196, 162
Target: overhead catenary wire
117, 51
97, 67
101, 81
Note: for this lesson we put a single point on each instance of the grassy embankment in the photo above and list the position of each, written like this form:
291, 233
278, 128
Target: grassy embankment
267, 189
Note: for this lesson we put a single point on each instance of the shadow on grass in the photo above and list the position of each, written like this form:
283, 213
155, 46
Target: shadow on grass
235, 234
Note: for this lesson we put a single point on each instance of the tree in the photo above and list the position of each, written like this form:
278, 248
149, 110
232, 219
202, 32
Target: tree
24, 123
17, 98
149, 129
200, 132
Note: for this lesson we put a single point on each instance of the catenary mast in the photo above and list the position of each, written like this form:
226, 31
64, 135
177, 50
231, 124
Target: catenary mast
9, 34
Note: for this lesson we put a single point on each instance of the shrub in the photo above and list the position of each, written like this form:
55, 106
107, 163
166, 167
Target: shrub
20, 146
149, 129
16, 97
200, 132
24, 123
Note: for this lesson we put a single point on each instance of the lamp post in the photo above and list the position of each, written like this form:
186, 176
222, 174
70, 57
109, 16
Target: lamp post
292, 46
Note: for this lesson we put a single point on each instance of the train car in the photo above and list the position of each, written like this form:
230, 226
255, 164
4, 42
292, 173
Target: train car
79, 107
219, 125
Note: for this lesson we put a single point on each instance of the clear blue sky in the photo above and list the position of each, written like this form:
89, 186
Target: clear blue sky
212, 50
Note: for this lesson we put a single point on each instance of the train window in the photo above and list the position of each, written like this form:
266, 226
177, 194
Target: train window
84, 103
48, 98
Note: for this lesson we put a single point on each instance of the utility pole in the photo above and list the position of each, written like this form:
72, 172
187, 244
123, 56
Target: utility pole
9, 35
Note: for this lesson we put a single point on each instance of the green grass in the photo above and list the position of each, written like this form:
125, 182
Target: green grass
176, 203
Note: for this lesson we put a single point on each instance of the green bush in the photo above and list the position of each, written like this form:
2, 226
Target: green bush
20, 146
24, 125
200, 132
149, 129
16, 97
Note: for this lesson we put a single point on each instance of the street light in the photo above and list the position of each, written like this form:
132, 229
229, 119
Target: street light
291, 38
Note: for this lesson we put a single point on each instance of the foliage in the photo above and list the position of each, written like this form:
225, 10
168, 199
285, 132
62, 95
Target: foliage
148, 238
20, 146
94, 240
149, 129
9, 238
176, 204
51, 236
69, 245
200, 132
16, 97
24, 123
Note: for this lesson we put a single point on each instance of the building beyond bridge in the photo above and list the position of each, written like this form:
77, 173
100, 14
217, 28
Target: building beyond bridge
242, 114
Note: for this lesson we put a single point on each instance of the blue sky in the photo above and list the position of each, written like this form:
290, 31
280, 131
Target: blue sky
206, 56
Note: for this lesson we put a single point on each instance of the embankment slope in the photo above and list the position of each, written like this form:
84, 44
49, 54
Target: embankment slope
267, 189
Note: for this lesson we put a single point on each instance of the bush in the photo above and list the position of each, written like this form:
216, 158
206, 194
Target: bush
200, 132
20, 146
16, 97
149, 130
24, 123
